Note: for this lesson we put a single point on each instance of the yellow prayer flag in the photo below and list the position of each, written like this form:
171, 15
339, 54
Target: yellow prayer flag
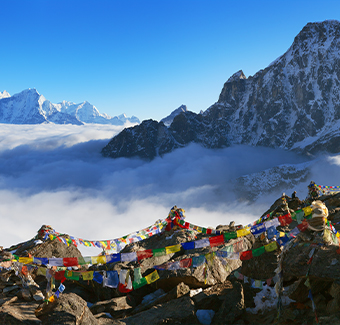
172, 249
337, 234
152, 277
98, 259
243, 232
26, 260
282, 234
307, 210
87, 275
271, 247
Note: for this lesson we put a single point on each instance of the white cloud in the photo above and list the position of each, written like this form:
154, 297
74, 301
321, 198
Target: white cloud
54, 174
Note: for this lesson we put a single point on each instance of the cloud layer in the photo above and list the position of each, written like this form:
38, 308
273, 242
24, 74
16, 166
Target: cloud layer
54, 174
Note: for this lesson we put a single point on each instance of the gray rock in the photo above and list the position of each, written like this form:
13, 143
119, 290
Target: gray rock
68, 309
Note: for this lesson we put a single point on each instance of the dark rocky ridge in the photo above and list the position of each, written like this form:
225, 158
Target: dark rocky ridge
295, 98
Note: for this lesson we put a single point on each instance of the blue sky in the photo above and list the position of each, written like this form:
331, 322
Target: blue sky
144, 58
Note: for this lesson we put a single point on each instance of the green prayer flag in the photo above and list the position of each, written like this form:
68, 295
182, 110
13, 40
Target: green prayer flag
258, 251
230, 235
71, 275
139, 284
159, 251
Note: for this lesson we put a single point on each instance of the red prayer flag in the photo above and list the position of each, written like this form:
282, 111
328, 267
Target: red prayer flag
209, 231
285, 220
60, 275
185, 263
144, 254
186, 225
303, 226
70, 261
247, 255
216, 240
123, 288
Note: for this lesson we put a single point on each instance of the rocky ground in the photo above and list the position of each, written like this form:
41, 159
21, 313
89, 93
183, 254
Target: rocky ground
304, 273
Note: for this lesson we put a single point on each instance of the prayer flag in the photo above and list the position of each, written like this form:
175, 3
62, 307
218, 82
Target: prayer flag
55, 261
271, 247
247, 255
144, 254
98, 277
71, 275
188, 245
243, 232
216, 240
70, 261
98, 259
128, 257
87, 275
25, 260
159, 252
40, 260
202, 243
258, 251
111, 279
112, 258
152, 277
230, 235
185, 263
173, 249
139, 284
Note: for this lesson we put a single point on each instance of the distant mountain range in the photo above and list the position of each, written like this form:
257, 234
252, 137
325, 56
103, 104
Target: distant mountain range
29, 107
292, 104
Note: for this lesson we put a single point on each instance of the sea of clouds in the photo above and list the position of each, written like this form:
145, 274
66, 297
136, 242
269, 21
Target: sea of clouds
55, 175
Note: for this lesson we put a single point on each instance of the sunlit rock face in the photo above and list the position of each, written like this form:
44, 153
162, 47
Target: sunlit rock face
292, 104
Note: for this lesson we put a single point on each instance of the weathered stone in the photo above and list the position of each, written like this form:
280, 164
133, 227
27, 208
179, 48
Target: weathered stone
178, 311
232, 307
19, 313
24, 294
68, 309
114, 305
177, 292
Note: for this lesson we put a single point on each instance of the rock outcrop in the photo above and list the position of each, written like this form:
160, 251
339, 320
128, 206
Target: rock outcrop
304, 272
292, 104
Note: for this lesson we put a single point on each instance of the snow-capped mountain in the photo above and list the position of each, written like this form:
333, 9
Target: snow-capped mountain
4, 94
29, 107
168, 120
293, 104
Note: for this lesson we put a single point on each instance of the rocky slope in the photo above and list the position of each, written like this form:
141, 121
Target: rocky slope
29, 107
292, 104
238, 280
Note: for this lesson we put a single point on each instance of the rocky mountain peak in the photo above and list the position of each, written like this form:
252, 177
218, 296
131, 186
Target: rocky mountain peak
294, 103
168, 120
237, 76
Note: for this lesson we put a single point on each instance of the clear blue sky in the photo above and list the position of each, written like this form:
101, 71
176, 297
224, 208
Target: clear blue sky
144, 58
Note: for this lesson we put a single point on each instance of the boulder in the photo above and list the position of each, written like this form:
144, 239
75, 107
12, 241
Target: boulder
177, 311
14, 312
115, 306
68, 309
232, 307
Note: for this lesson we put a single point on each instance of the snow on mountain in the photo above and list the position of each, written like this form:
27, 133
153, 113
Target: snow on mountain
273, 180
168, 120
4, 94
29, 107
292, 104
